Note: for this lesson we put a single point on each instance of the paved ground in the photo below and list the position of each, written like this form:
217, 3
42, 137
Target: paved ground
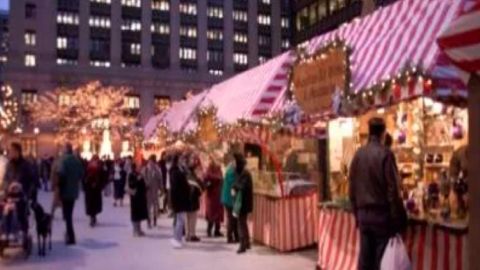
112, 246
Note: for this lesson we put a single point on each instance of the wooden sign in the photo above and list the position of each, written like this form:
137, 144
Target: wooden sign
317, 80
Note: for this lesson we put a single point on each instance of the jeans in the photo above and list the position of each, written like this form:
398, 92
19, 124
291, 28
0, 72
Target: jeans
372, 247
179, 226
67, 207
243, 231
191, 224
232, 226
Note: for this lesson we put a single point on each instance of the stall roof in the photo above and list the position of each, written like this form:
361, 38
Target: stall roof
251, 93
401, 35
176, 118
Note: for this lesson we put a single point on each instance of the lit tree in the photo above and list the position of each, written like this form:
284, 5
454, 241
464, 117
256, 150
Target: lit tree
8, 108
88, 109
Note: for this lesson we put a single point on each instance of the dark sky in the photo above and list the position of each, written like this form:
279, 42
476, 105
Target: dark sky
4, 4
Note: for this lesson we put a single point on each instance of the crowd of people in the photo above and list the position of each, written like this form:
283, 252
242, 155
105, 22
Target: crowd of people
173, 185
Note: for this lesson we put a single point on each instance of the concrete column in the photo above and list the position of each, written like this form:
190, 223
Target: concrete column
175, 34
276, 27
474, 172
48, 41
202, 36
116, 34
146, 34
16, 41
253, 33
84, 37
228, 36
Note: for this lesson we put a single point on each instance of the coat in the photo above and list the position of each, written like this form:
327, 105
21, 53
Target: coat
196, 189
179, 190
373, 189
244, 184
138, 197
71, 173
213, 184
226, 197
55, 178
153, 182
20, 170
94, 182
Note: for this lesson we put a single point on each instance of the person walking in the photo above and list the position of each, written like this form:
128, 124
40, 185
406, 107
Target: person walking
180, 196
55, 179
195, 195
71, 173
243, 192
45, 168
138, 200
153, 180
119, 180
227, 201
213, 183
375, 197
94, 183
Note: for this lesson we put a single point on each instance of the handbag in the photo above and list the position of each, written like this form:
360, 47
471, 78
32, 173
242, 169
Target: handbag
237, 204
395, 256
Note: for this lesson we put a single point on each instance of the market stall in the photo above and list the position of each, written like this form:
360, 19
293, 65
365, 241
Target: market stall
395, 70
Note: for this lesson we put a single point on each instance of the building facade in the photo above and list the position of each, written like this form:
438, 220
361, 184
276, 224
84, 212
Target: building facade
311, 18
160, 48
3, 41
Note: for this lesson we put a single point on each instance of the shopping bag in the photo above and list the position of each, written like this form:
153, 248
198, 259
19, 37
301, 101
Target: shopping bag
395, 256
237, 204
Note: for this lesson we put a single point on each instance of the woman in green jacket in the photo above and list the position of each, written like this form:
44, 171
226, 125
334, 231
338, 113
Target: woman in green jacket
228, 201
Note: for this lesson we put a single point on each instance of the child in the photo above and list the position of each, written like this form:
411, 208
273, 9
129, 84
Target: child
13, 199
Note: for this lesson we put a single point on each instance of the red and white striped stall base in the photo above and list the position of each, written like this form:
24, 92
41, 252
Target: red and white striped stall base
429, 247
285, 224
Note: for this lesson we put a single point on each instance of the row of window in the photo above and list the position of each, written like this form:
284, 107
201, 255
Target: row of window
29, 96
188, 31
162, 5
99, 21
316, 11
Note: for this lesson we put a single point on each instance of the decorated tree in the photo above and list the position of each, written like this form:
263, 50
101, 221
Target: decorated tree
8, 109
87, 110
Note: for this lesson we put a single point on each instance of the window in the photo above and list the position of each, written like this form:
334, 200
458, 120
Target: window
302, 19
215, 34
188, 8
215, 56
337, 4
313, 14
322, 10
262, 59
100, 46
29, 96
101, 1
64, 99
188, 53
161, 28
99, 21
104, 64
240, 37
264, 19
188, 31
266, 2
285, 43
66, 62
132, 102
67, 43
30, 11
163, 5
215, 72
239, 15
30, 60
135, 48
29, 146
131, 25
30, 38
67, 18
162, 103
215, 12
264, 40
132, 3
240, 58
285, 22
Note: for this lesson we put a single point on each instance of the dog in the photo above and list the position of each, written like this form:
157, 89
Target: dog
44, 228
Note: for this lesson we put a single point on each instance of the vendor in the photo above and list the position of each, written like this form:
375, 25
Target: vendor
459, 162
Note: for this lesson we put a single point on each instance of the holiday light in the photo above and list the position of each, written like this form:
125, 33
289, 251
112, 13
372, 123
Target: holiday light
8, 108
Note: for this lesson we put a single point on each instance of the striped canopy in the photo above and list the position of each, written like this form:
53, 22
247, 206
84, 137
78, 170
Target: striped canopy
461, 40
395, 37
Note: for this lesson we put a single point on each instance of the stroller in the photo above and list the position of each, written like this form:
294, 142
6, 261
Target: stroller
14, 225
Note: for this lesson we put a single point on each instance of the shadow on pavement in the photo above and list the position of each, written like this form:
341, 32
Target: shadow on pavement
95, 244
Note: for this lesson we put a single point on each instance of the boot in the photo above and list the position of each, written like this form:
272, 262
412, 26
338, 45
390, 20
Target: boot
217, 230
209, 229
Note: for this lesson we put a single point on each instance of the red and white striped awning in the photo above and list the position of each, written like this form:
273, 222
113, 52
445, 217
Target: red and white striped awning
461, 40
401, 35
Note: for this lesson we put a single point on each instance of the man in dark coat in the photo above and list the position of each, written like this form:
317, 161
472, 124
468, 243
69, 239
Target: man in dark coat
375, 197
243, 186
94, 183
138, 200
180, 196
71, 173
20, 170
